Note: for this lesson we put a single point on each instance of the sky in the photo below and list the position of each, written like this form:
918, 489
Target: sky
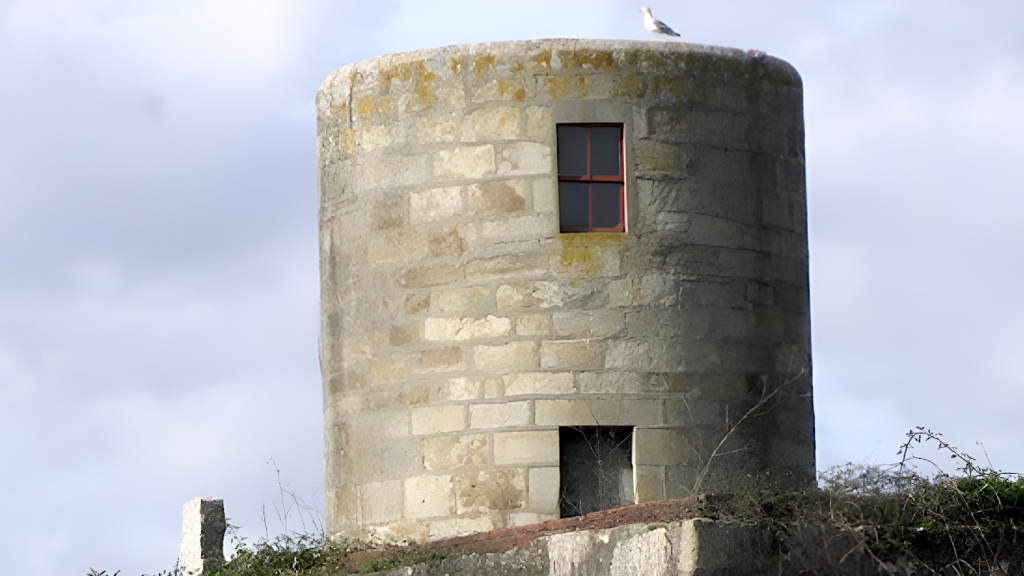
158, 253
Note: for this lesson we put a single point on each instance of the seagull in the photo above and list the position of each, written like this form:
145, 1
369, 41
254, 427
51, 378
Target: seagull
654, 25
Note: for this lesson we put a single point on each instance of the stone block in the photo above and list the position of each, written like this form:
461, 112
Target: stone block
526, 383
491, 124
427, 276
202, 535
528, 227
447, 452
533, 325
545, 487
515, 356
588, 323
465, 162
506, 267
502, 415
455, 389
391, 170
661, 447
438, 419
400, 530
396, 245
649, 483
648, 552
370, 138
526, 448
539, 124
451, 527
386, 213
572, 354
380, 502
436, 204
434, 129
683, 411
428, 496
527, 518
461, 300
455, 329
680, 480
627, 355
610, 382
540, 294
442, 360
525, 158
563, 413
490, 490
492, 388
498, 197
545, 195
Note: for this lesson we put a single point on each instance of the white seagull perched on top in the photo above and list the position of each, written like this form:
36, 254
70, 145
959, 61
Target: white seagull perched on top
655, 25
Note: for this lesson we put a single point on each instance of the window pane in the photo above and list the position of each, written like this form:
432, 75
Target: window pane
607, 210
572, 150
574, 205
604, 150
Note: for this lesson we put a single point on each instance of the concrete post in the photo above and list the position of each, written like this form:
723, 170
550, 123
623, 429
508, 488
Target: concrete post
202, 536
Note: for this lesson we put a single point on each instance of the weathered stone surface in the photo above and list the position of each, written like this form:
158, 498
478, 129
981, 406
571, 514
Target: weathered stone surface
487, 490
202, 535
461, 329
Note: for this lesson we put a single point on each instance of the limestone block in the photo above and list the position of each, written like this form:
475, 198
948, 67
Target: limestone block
503, 415
465, 162
401, 530
452, 527
545, 195
646, 553
380, 502
525, 158
492, 388
527, 518
427, 276
447, 452
588, 261
373, 137
498, 197
441, 360
396, 245
532, 447
692, 412
436, 204
386, 213
610, 382
528, 227
545, 486
711, 231
428, 496
539, 124
449, 329
627, 355
491, 124
461, 300
438, 419
525, 383
506, 267
650, 483
533, 325
434, 129
460, 389
572, 354
539, 294
661, 447
391, 170
588, 323
563, 413
202, 535
487, 490
514, 356
655, 156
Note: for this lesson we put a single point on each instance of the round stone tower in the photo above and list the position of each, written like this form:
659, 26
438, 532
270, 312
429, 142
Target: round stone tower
559, 276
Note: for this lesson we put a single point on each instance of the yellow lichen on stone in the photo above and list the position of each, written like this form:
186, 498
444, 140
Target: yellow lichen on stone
455, 63
364, 107
588, 255
627, 87
483, 64
576, 87
541, 59
588, 59
348, 140
512, 90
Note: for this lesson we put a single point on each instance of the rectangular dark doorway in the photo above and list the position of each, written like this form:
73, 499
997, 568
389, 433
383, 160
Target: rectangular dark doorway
596, 468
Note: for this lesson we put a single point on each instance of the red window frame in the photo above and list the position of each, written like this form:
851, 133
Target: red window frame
589, 177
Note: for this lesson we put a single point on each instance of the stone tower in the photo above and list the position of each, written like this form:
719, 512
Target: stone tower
555, 275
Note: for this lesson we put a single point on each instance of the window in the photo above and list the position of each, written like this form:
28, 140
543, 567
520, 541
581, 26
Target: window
596, 468
591, 181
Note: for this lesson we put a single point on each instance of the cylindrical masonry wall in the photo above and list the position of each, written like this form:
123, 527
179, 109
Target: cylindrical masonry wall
460, 329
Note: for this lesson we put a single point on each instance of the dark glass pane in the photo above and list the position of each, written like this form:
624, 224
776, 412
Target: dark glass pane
572, 150
574, 205
604, 150
607, 211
